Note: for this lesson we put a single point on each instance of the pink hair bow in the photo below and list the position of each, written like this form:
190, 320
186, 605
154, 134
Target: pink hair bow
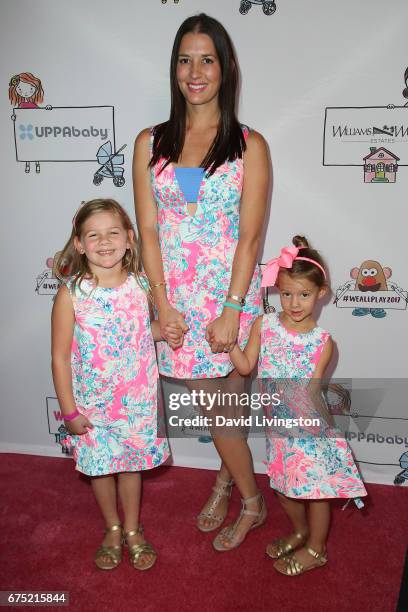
285, 260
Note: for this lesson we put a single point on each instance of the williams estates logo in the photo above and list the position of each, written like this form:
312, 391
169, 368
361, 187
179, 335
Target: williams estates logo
47, 283
370, 291
374, 137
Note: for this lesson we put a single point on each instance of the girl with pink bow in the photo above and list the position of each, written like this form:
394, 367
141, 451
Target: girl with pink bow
307, 465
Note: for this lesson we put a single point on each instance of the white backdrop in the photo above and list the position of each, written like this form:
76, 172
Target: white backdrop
307, 57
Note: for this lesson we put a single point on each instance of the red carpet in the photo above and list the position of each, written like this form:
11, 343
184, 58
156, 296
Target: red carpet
51, 529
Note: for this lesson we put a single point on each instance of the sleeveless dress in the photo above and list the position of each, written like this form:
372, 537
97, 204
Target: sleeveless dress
197, 253
115, 380
316, 463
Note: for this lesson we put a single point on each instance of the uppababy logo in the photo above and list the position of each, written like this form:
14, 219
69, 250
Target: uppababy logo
55, 131
26, 131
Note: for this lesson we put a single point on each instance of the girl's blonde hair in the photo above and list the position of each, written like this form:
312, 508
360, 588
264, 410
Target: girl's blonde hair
26, 77
71, 264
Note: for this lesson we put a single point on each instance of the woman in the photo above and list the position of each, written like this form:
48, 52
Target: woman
200, 224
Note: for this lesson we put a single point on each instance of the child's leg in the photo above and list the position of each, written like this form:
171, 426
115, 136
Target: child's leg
104, 489
130, 490
319, 520
296, 512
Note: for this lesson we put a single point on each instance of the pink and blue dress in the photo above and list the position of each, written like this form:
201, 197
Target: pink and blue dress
115, 381
197, 252
314, 463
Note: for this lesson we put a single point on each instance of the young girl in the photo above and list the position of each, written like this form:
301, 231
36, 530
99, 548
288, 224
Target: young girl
316, 464
105, 372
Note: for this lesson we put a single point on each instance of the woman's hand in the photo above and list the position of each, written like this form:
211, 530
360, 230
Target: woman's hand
79, 425
221, 334
171, 320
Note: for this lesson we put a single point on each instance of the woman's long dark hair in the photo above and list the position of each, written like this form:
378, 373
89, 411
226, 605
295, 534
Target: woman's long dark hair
229, 142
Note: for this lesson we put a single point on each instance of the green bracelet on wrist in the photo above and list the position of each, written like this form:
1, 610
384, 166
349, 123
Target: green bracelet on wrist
234, 306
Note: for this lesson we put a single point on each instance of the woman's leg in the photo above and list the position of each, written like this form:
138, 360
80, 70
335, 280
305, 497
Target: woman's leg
220, 508
130, 492
233, 449
104, 489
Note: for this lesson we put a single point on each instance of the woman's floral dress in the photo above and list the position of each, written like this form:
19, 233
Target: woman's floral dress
115, 380
315, 462
197, 253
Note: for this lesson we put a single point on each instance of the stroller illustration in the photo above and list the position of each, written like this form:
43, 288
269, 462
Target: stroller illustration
111, 165
399, 479
268, 7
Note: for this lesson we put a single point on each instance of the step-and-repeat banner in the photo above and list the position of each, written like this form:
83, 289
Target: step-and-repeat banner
326, 83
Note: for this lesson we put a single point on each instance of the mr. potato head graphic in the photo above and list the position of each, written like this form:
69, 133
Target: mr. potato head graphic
370, 277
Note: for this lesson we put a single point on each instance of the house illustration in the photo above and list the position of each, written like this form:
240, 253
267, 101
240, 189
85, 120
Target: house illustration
380, 166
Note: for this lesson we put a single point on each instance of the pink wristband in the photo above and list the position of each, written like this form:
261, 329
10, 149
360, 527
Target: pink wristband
72, 416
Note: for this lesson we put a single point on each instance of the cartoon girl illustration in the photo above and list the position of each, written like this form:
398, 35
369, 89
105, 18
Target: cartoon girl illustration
405, 91
26, 91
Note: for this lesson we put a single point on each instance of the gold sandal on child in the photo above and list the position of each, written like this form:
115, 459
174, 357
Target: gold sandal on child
137, 550
293, 567
281, 547
222, 489
113, 553
228, 533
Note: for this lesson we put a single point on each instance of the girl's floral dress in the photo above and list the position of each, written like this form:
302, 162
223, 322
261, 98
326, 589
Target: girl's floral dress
197, 253
115, 380
308, 462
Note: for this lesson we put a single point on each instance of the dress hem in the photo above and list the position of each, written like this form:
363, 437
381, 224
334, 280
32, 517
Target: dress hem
145, 469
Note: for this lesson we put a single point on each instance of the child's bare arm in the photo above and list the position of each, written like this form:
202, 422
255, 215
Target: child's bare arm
245, 360
61, 341
315, 385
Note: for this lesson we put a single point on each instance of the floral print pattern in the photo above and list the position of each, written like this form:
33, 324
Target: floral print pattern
317, 463
197, 253
115, 381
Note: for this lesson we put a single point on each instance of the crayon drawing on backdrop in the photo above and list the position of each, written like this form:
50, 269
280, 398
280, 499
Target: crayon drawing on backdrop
63, 133
374, 137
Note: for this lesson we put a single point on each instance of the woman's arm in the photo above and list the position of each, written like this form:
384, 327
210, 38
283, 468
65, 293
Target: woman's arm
245, 361
222, 332
62, 323
146, 218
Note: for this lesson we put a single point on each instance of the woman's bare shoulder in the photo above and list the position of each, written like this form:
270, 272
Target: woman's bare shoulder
143, 138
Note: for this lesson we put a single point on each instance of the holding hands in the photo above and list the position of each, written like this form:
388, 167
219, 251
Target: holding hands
172, 327
221, 334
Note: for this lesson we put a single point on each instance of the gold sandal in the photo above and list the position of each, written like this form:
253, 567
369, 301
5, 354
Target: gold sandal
229, 532
281, 547
293, 567
137, 550
113, 552
221, 489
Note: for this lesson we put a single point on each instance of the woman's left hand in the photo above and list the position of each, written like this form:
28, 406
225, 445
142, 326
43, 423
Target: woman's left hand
221, 334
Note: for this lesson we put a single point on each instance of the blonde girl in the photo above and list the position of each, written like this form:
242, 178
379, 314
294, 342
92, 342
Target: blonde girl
105, 372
